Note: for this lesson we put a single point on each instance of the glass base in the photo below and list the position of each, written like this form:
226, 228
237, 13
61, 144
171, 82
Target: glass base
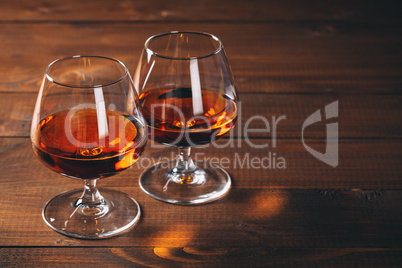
116, 215
206, 184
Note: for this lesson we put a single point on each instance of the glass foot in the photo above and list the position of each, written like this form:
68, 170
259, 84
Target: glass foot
206, 184
115, 215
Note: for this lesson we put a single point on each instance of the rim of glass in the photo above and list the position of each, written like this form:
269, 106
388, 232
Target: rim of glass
216, 51
86, 86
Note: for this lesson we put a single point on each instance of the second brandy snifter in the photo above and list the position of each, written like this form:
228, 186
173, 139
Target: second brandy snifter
188, 98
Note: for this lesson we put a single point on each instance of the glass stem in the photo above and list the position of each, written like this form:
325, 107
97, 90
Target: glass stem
91, 196
185, 171
184, 163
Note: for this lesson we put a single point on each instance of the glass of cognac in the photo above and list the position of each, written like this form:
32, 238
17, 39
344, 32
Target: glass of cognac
188, 98
86, 125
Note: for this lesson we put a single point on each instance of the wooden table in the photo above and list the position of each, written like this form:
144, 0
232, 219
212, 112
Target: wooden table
289, 59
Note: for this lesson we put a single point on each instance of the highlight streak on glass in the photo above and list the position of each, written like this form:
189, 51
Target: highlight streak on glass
196, 88
149, 72
101, 113
36, 114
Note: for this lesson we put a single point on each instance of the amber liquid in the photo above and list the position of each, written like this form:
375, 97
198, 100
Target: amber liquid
71, 143
173, 120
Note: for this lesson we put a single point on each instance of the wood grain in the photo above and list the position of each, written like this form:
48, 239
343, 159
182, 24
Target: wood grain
201, 257
319, 58
201, 10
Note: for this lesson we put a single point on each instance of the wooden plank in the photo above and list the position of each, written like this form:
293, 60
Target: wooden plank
204, 10
359, 116
312, 57
378, 169
244, 218
201, 257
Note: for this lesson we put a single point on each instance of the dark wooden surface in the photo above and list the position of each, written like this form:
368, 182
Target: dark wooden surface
289, 58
